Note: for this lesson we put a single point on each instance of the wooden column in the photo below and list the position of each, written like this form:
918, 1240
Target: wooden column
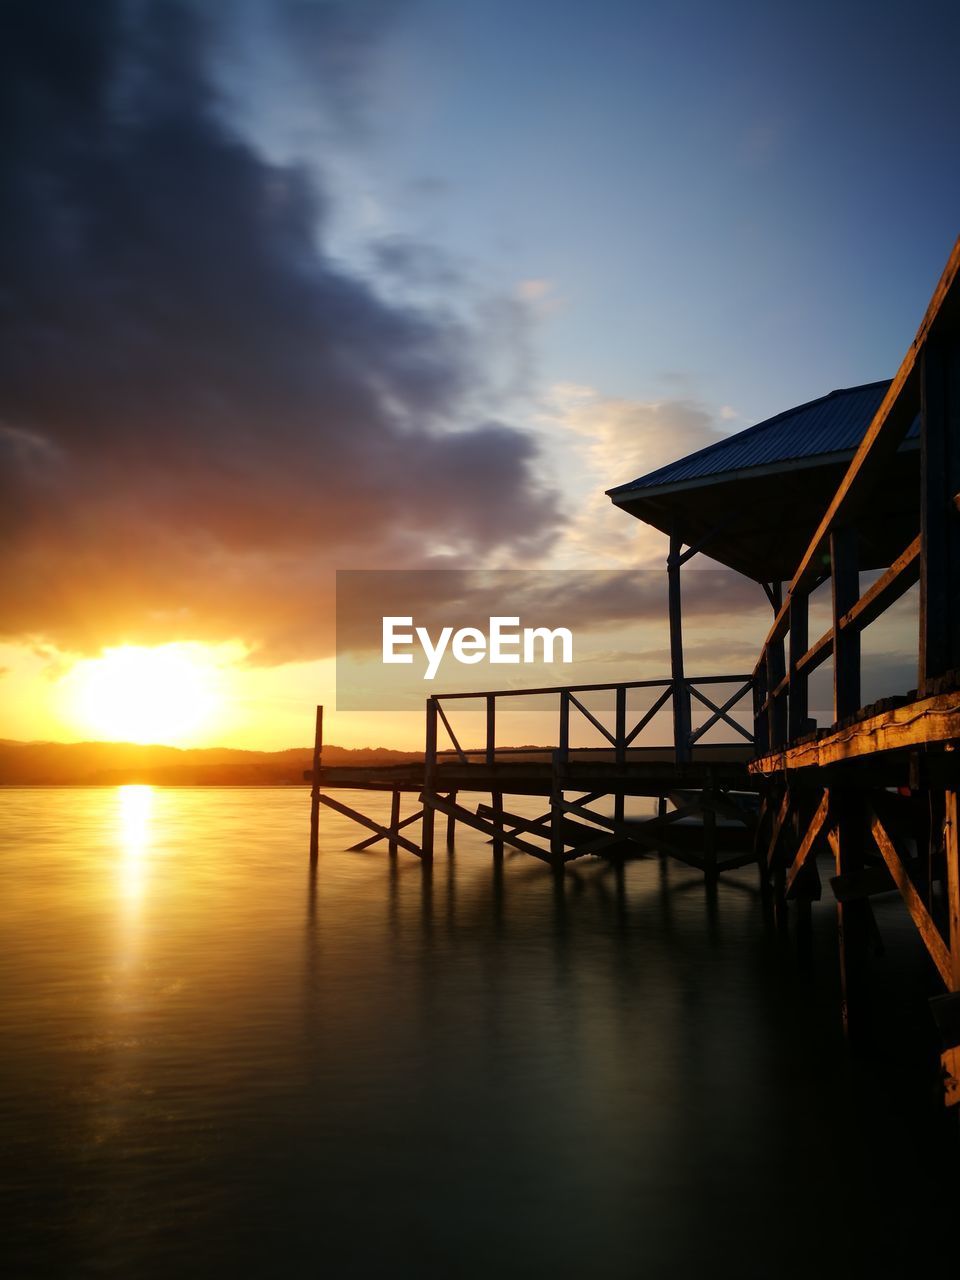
315, 788
951, 851
496, 804
799, 706
761, 724
491, 745
560, 758
620, 751
776, 669
394, 823
846, 640
451, 821
939, 516
429, 780
681, 694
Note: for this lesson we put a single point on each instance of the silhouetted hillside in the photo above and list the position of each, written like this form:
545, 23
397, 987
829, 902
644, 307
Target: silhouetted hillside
117, 763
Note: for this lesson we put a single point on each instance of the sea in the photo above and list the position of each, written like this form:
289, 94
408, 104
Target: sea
216, 1060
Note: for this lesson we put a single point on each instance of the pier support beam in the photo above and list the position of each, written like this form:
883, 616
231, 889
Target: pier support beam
315, 789
429, 780
681, 694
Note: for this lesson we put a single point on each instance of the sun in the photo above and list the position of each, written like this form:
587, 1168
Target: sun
169, 694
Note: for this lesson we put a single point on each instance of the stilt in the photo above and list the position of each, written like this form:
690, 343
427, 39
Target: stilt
315, 788
429, 781
496, 802
451, 822
394, 823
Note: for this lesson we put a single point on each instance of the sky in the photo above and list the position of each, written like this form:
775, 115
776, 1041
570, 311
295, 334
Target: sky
291, 287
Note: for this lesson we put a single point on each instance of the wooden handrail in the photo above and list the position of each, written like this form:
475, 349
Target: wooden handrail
880, 442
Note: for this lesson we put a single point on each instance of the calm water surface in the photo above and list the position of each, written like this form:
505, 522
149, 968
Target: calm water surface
216, 1064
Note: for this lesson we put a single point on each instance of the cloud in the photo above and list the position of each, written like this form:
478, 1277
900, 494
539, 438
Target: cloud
201, 411
608, 441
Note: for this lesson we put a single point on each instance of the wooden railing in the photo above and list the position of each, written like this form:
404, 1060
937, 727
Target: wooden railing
619, 737
928, 384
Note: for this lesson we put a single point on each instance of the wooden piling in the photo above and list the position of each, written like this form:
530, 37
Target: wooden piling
451, 822
394, 848
429, 781
496, 803
315, 788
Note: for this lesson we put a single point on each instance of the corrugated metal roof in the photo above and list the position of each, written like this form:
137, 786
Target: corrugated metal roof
835, 423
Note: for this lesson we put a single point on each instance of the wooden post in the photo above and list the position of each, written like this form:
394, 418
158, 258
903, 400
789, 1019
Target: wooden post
451, 821
799, 705
846, 640
429, 780
496, 804
491, 747
776, 668
951, 851
394, 823
761, 722
560, 758
620, 733
315, 789
681, 694
939, 516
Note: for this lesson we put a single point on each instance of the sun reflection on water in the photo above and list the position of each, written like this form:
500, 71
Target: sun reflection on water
134, 829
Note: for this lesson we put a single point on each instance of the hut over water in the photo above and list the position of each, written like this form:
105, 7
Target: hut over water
753, 500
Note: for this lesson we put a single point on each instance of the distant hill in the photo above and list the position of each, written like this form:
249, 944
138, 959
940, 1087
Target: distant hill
119, 763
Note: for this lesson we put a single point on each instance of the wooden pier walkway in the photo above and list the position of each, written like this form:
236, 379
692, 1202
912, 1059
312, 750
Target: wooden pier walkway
710, 826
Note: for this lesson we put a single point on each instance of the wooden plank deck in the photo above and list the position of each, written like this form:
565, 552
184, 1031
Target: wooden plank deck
649, 773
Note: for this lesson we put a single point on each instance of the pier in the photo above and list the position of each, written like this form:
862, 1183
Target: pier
865, 480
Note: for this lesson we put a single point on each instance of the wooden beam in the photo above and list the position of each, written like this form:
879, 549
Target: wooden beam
845, 578
809, 840
898, 579
817, 654
915, 724
611, 738
720, 713
929, 933
648, 715
450, 734
429, 778
939, 525
369, 823
951, 852
315, 788
798, 711
491, 743
681, 694
778, 822
443, 805
395, 825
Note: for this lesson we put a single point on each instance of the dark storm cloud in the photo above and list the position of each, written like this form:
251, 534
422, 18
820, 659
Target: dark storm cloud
200, 412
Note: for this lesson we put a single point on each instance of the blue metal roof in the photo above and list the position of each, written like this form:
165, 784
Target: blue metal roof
834, 424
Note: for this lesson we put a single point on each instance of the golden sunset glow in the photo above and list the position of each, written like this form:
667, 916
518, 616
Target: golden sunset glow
170, 694
135, 806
